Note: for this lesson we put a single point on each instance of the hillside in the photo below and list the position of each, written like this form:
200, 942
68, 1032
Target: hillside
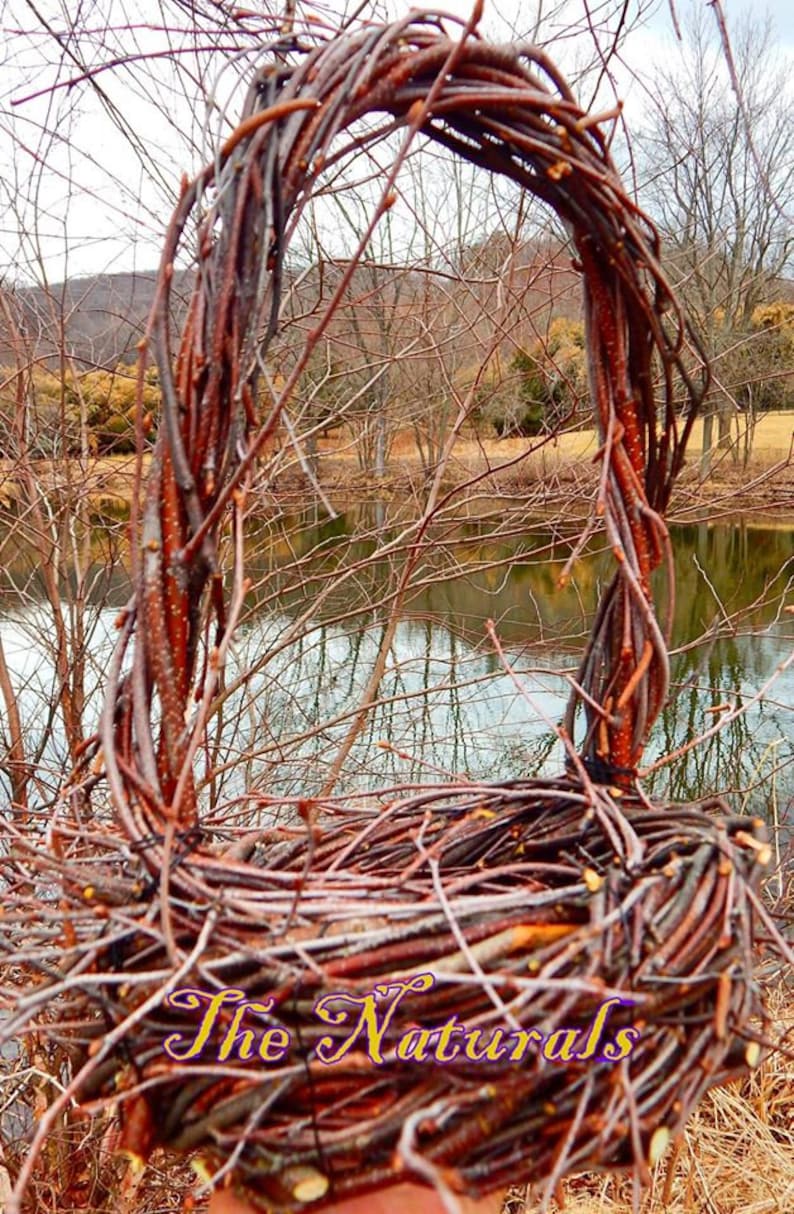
100, 318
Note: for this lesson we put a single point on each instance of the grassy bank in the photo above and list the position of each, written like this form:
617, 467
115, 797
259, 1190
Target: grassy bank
561, 465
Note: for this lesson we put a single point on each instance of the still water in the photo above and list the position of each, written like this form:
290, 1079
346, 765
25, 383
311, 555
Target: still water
315, 619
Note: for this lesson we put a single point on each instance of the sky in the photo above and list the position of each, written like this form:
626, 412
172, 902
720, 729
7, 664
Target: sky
77, 199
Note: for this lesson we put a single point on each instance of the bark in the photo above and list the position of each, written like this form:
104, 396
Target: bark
708, 440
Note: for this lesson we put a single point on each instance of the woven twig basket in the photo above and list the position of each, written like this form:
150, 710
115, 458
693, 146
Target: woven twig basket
474, 984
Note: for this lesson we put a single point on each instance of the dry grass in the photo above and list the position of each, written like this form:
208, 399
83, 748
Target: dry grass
771, 442
104, 479
736, 1156
109, 479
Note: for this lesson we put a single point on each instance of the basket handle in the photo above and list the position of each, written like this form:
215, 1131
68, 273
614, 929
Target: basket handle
507, 109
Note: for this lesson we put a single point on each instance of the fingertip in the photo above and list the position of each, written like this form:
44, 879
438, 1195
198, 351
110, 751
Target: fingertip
399, 1198
417, 1200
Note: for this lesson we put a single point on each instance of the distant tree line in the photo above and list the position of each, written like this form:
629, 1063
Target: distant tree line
359, 381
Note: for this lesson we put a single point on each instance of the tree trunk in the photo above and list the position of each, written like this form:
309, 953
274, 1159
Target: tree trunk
750, 422
724, 422
380, 444
312, 453
708, 439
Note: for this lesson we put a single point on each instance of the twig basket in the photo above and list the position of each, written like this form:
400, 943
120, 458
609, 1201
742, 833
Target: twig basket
474, 984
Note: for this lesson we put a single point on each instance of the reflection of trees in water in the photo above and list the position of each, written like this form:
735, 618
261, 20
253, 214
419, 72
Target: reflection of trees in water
315, 619
727, 672
446, 704
732, 581
469, 573
727, 568
442, 705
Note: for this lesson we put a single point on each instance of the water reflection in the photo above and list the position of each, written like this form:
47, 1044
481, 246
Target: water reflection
314, 623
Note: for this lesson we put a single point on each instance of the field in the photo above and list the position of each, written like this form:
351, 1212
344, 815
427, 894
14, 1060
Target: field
772, 443
513, 461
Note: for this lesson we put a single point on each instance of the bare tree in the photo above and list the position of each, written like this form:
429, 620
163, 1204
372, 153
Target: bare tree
719, 167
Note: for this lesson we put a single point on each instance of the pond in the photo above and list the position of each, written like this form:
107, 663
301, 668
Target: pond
315, 619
